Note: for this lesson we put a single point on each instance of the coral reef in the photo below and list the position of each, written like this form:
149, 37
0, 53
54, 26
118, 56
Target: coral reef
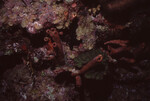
86, 33
42, 88
96, 59
74, 50
33, 15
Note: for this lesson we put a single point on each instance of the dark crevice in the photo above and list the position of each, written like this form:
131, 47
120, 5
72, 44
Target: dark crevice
124, 14
99, 90
70, 34
36, 40
43, 64
64, 78
59, 1
90, 3
1, 3
11, 61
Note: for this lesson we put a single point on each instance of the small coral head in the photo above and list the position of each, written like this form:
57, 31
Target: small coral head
48, 31
54, 44
61, 33
46, 39
53, 29
99, 58
74, 15
73, 5
66, 13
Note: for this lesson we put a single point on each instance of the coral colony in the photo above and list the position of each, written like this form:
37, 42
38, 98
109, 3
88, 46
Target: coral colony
74, 50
